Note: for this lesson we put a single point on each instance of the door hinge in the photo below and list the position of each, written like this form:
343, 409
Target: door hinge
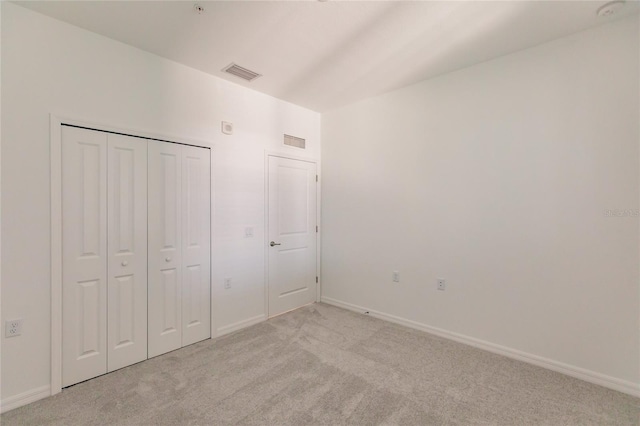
316, 280
316, 228
316, 178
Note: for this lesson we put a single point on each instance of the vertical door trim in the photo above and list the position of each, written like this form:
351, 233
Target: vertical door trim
56, 121
288, 156
56, 254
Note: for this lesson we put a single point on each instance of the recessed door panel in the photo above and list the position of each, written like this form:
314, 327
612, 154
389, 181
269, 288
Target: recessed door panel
127, 226
169, 196
292, 232
171, 299
91, 225
125, 321
196, 284
84, 254
88, 302
124, 197
293, 203
191, 295
165, 247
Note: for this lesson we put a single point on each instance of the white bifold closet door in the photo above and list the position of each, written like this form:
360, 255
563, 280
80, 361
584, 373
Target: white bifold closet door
104, 206
179, 246
127, 251
84, 254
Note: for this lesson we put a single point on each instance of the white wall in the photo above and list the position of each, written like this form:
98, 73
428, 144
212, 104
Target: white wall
497, 178
51, 67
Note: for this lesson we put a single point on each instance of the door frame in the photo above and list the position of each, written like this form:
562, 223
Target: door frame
56, 121
315, 161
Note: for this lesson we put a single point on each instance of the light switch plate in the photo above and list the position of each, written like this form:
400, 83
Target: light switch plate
227, 128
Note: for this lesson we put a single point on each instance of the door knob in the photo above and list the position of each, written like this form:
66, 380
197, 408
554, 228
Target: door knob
124, 263
274, 244
167, 259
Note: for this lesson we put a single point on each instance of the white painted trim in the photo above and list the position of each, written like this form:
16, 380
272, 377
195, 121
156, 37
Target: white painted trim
265, 278
25, 398
240, 325
271, 153
212, 293
638, 284
55, 136
56, 253
319, 233
569, 370
80, 122
1, 340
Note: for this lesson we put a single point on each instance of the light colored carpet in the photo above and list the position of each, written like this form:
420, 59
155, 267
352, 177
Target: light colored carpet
322, 365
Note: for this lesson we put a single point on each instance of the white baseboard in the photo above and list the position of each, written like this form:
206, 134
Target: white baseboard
221, 331
24, 398
570, 370
45, 391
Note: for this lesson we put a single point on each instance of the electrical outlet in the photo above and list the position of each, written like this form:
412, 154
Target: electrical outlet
442, 284
227, 283
13, 328
396, 276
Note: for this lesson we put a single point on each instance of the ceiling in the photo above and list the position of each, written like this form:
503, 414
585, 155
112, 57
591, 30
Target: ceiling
322, 55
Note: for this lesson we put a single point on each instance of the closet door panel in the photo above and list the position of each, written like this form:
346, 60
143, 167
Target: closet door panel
127, 245
165, 243
84, 254
196, 243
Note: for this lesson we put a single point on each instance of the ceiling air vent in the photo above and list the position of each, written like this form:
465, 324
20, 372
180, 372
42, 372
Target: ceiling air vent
294, 141
243, 73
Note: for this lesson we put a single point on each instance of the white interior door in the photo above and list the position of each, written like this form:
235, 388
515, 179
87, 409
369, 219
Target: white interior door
292, 234
165, 243
84, 254
196, 243
127, 248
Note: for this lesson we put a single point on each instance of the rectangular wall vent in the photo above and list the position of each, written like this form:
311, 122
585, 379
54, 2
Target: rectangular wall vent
294, 141
243, 73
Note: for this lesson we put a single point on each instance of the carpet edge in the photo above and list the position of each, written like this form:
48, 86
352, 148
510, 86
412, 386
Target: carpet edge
590, 376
